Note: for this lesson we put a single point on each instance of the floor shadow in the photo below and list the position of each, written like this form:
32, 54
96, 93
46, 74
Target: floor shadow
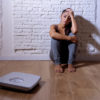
85, 64
32, 91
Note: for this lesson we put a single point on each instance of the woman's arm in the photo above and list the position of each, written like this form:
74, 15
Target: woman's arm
74, 28
58, 36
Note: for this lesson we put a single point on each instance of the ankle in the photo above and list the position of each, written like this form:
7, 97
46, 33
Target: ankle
58, 65
70, 65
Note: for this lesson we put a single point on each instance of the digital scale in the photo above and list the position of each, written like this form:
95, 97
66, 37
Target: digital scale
19, 81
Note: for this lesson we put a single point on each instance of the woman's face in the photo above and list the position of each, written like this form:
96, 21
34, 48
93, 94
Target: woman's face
65, 18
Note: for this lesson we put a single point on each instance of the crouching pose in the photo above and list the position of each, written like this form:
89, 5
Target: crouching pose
63, 41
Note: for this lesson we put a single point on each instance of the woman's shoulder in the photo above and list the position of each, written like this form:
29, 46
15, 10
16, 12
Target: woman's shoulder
54, 25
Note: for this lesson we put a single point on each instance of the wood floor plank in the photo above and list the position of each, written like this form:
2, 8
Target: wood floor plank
81, 85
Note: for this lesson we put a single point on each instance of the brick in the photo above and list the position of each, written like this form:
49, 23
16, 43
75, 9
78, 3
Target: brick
32, 20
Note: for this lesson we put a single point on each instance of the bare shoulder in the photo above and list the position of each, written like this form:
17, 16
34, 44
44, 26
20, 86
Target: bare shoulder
53, 26
52, 29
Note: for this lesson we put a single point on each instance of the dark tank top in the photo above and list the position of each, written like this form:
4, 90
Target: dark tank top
67, 29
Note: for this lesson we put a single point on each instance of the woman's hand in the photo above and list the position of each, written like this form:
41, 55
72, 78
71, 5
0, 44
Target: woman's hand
72, 39
74, 28
70, 11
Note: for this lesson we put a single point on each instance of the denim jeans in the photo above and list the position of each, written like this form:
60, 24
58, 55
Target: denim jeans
62, 51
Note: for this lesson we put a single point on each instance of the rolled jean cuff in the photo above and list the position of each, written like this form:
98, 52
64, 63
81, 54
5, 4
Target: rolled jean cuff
70, 62
57, 62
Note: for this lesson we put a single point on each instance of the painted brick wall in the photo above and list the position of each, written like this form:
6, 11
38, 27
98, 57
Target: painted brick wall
32, 19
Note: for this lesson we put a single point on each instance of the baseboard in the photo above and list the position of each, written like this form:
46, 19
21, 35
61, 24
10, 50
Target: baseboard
45, 57
24, 57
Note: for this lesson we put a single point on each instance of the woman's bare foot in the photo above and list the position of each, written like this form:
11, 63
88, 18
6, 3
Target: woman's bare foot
71, 68
63, 65
58, 69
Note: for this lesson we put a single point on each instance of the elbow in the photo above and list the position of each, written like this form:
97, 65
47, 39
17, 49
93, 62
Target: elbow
51, 35
74, 31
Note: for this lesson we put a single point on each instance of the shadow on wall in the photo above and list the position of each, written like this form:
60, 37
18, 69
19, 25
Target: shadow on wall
89, 40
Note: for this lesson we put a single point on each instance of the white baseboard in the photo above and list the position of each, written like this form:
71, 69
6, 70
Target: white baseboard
45, 57
24, 58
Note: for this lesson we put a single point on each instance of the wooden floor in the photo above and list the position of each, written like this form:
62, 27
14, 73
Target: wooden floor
84, 84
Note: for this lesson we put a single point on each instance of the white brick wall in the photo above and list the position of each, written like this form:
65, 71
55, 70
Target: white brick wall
31, 20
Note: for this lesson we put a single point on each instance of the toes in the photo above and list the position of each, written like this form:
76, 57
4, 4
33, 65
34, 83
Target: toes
74, 69
71, 70
59, 70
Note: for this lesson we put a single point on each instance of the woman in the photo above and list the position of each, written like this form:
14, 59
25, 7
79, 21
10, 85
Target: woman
63, 41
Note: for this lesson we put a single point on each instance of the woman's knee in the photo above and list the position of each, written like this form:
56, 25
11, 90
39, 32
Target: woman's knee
71, 34
55, 43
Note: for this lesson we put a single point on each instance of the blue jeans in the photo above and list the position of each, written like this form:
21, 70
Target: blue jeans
62, 51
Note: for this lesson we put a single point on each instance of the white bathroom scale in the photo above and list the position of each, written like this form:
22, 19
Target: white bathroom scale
19, 81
